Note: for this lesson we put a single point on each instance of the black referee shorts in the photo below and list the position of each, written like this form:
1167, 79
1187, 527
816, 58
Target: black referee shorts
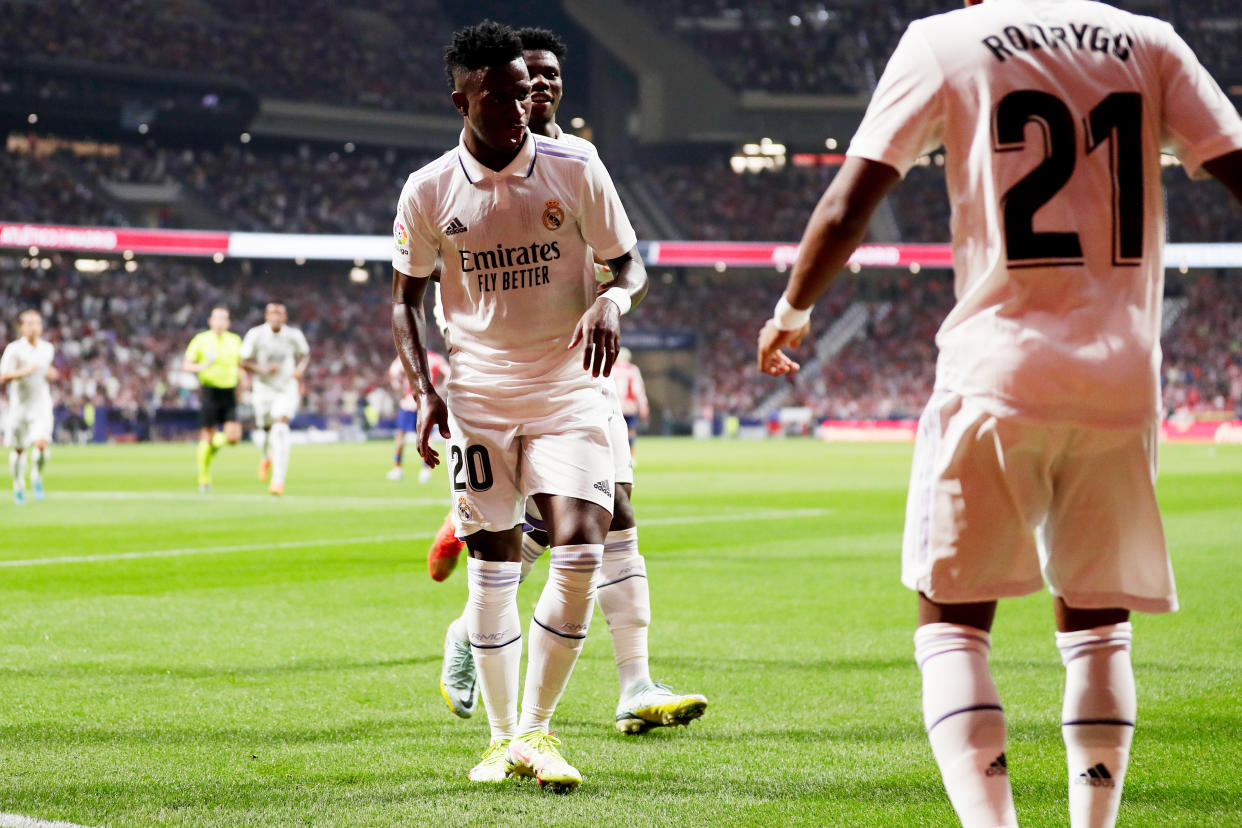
219, 406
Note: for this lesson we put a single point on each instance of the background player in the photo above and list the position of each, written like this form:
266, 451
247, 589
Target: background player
215, 355
525, 415
276, 356
622, 591
632, 393
26, 366
1044, 414
407, 410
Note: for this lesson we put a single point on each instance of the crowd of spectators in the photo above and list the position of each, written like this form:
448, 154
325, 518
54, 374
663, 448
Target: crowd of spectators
820, 48
351, 53
121, 335
317, 189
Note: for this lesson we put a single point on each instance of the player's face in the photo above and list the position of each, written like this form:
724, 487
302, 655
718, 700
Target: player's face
545, 85
276, 316
219, 320
493, 101
31, 326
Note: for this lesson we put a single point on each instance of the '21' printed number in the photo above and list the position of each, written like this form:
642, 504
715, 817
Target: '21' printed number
1118, 121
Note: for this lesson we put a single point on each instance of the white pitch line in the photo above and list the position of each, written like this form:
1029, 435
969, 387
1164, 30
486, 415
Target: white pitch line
248, 498
772, 514
19, 821
212, 550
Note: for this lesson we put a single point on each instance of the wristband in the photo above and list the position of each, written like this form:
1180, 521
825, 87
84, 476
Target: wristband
619, 297
789, 318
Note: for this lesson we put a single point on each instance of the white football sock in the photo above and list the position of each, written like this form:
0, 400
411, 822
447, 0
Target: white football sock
557, 630
624, 599
39, 457
17, 468
264, 441
460, 628
1097, 720
965, 723
280, 443
495, 634
531, 552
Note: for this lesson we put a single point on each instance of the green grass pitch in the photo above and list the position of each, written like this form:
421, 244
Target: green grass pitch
277, 663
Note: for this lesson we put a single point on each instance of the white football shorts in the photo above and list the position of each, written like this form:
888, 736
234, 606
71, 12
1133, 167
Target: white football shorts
999, 506
26, 425
619, 438
494, 466
271, 404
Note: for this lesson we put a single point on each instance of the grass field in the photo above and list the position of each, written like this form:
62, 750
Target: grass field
236, 659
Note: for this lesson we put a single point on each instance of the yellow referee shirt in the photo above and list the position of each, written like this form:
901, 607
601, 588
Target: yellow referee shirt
223, 351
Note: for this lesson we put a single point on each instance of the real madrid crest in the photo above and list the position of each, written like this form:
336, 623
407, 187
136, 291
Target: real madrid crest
463, 508
553, 215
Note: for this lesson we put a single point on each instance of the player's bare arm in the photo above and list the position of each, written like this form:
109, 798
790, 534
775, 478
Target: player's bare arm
253, 367
1227, 169
299, 368
191, 367
409, 334
600, 326
24, 371
836, 227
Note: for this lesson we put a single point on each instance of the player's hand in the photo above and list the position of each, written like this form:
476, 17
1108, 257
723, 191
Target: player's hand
431, 412
600, 329
272, 370
772, 360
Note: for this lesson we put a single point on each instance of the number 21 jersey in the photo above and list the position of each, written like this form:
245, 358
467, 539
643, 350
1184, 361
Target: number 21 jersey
1053, 114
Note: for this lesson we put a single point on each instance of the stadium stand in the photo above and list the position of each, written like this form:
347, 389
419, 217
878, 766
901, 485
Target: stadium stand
340, 53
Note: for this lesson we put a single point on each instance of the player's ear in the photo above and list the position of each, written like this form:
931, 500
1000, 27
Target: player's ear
462, 103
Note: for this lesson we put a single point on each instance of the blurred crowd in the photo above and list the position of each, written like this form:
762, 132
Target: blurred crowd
120, 336
820, 48
352, 53
313, 189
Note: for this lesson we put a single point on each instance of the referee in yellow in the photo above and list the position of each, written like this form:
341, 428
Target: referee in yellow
215, 355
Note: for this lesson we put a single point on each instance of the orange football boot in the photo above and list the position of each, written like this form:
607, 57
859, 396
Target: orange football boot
444, 551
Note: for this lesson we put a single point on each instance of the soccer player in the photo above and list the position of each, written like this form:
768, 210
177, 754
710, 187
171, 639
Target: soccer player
276, 356
622, 591
514, 218
26, 366
1045, 410
407, 410
633, 394
215, 355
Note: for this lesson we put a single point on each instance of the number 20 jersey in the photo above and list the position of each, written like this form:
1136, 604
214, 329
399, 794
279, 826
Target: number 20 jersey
1053, 114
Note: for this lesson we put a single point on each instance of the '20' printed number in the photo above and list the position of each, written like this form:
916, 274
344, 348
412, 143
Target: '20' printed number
477, 467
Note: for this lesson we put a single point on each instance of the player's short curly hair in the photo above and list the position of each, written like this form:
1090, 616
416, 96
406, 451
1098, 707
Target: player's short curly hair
480, 46
542, 40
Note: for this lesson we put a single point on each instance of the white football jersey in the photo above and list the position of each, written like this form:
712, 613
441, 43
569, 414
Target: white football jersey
1053, 114
267, 347
517, 271
32, 389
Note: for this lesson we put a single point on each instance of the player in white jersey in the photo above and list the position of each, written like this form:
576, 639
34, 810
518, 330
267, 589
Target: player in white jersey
514, 218
621, 591
276, 356
1044, 417
26, 366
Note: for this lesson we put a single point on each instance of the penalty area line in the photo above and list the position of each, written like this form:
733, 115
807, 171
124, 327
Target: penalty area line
20, 821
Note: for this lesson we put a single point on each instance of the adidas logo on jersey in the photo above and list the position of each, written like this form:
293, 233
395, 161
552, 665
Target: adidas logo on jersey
1097, 777
455, 226
999, 767
604, 487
